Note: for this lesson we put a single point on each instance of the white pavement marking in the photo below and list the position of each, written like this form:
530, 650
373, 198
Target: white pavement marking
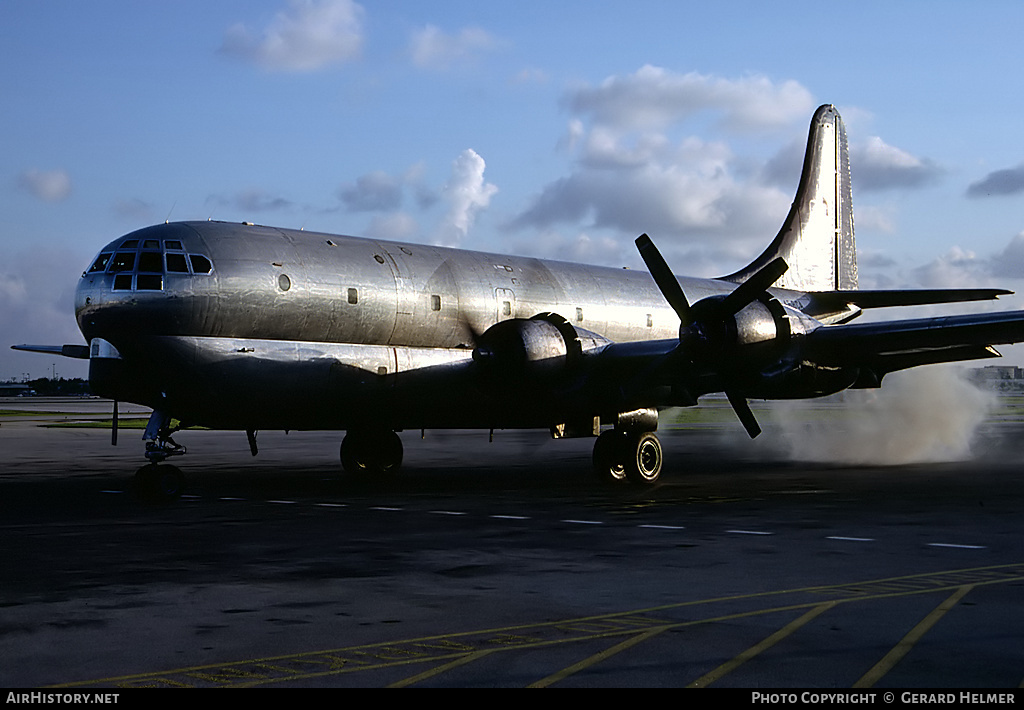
850, 539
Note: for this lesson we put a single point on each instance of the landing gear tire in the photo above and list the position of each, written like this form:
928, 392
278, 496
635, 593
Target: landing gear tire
609, 456
643, 466
371, 453
632, 456
159, 483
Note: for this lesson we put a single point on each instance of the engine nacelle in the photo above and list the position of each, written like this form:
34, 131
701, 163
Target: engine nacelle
541, 346
762, 328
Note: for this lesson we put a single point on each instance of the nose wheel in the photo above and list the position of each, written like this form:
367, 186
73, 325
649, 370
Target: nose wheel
158, 482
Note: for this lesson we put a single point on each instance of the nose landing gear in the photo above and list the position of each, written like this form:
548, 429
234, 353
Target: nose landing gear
160, 483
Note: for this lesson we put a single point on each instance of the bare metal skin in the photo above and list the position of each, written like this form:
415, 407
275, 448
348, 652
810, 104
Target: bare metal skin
250, 327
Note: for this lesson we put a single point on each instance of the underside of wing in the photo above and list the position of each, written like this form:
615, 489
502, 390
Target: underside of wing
884, 347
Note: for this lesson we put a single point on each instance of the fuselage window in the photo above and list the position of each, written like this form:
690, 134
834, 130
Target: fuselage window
506, 308
123, 282
200, 264
123, 261
579, 315
435, 303
353, 296
101, 263
173, 245
150, 244
130, 244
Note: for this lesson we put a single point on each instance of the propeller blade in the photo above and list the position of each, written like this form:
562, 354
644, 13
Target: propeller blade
664, 278
753, 287
742, 409
113, 426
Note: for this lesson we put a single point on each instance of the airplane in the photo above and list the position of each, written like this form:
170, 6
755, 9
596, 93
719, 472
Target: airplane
249, 328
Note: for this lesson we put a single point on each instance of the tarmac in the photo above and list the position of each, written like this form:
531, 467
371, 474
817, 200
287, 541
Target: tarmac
504, 564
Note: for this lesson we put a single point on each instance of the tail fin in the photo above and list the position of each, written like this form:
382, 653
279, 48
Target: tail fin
816, 240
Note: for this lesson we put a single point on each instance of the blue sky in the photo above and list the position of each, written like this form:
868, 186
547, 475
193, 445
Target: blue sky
556, 129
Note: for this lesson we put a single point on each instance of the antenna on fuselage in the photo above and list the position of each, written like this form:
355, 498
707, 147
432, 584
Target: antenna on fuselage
167, 219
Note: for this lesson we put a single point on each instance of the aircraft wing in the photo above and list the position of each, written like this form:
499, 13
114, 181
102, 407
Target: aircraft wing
80, 352
887, 346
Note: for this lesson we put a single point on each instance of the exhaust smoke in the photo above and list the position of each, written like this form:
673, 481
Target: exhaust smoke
929, 414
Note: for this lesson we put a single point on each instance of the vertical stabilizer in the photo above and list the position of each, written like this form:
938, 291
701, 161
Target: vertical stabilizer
816, 240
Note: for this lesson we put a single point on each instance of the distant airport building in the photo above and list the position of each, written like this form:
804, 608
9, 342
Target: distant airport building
1005, 378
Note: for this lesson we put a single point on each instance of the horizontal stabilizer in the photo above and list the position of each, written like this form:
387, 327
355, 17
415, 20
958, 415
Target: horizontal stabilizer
835, 300
80, 352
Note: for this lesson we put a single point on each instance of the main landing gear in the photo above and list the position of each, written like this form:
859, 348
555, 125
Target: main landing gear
159, 483
371, 452
621, 455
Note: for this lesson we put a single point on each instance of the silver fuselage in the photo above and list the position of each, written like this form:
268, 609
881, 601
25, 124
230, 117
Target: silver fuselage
244, 326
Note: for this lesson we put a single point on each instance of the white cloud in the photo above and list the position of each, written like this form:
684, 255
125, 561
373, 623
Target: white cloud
877, 165
654, 97
432, 48
309, 35
582, 248
638, 165
957, 268
466, 194
47, 185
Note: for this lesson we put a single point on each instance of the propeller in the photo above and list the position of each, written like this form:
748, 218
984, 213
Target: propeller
711, 314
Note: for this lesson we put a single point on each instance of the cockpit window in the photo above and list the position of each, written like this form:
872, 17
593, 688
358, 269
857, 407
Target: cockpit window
142, 265
200, 264
151, 261
101, 263
176, 264
123, 261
